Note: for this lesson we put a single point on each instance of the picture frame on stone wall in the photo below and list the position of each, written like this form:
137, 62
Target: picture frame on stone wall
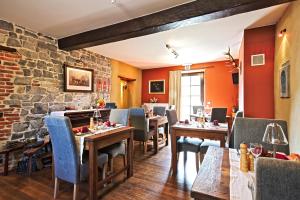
157, 87
285, 80
78, 79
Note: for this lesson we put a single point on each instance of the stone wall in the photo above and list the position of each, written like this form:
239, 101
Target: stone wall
32, 80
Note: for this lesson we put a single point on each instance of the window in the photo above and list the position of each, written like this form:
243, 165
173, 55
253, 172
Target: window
192, 93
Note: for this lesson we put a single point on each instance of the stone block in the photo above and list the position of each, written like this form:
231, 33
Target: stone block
57, 107
13, 42
30, 134
17, 136
6, 25
50, 97
37, 73
40, 108
38, 90
30, 34
13, 35
41, 64
12, 102
47, 74
22, 81
36, 124
24, 112
37, 98
20, 127
27, 72
47, 46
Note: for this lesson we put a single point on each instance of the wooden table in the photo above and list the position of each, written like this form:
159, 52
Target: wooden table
98, 141
208, 132
213, 179
158, 121
6, 151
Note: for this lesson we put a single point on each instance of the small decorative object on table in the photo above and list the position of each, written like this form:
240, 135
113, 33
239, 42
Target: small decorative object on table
153, 100
243, 158
215, 123
100, 103
97, 116
274, 135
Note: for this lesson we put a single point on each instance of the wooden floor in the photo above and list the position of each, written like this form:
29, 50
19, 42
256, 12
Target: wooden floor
151, 180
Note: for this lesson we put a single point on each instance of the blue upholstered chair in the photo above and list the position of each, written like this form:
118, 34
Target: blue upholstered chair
218, 114
67, 166
119, 116
159, 110
142, 131
185, 144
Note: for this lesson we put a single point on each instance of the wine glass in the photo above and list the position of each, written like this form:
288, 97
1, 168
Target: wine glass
256, 149
97, 116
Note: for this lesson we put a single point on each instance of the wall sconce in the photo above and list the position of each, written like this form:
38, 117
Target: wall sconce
282, 32
172, 51
187, 67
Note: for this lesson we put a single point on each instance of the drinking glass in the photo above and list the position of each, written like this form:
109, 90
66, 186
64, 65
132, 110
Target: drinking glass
256, 149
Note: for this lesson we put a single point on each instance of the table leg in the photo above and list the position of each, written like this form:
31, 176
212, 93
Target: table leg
29, 165
130, 155
155, 138
5, 173
174, 152
167, 133
223, 142
93, 171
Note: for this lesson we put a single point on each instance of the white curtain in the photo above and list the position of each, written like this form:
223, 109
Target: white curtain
175, 90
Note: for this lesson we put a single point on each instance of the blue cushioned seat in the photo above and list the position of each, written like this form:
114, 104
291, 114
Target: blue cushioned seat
67, 166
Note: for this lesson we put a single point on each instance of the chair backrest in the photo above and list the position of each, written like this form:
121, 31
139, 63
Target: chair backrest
251, 130
138, 118
172, 107
195, 109
119, 116
159, 110
110, 105
146, 108
172, 118
218, 114
66, 158
231, 136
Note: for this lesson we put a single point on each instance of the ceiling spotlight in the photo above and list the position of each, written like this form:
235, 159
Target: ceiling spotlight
172, 51
282, 32
113, 1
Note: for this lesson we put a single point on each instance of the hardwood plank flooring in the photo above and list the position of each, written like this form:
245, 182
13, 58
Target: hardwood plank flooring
151, 180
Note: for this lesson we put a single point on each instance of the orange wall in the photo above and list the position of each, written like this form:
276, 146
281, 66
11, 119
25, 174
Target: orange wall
219, 88
259, 80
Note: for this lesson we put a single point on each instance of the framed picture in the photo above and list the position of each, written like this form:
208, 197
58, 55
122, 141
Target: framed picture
78, 79
285, 80
157, 87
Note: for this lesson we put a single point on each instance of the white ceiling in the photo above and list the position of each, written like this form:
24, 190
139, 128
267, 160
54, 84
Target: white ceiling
199, 43
195, 44
60, 18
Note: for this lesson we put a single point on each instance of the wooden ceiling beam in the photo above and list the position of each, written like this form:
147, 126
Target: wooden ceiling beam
172, 18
